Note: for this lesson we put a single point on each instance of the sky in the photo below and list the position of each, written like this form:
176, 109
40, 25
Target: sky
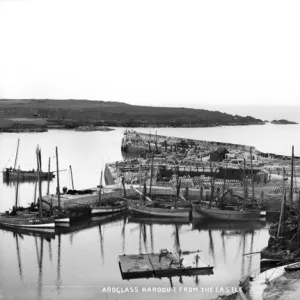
197, 54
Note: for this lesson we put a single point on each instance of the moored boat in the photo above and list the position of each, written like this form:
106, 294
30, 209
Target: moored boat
69, 214
224, 214
157, 210
12, 173
110, 207
26, 220
293, 267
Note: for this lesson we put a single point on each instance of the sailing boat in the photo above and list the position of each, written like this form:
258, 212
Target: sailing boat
234, 214
71, 213
26, 218
110, 206
284, 247
159, 209
10, 174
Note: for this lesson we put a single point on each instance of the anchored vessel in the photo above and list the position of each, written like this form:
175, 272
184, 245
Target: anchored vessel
12, 174
28, 218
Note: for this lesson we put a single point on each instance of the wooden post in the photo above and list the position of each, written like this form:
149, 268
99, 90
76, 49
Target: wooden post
48, 177
17, 190
292, 179
252, 183
72, 177
58, 188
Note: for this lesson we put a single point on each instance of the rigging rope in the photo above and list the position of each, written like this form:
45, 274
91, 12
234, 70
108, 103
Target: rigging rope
9, 159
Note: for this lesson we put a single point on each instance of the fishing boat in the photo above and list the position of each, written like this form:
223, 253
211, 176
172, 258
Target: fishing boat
110, 206
165, 209
219, 211
293, 267
155, 209
27, 218
229, 215
11, 173
69, 214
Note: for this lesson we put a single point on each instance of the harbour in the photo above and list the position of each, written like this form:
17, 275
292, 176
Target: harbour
91, 247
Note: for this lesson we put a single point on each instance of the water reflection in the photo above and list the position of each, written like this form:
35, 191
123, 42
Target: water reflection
19, 257
220, 242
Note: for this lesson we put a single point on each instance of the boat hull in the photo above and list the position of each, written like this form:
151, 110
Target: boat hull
160, 212
229, 215
109, 209
62, 220
27, 222
26, 175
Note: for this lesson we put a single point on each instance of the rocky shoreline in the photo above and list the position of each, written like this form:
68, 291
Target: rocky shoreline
93, 128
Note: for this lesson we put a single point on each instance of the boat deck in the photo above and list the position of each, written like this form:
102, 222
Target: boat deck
152, 265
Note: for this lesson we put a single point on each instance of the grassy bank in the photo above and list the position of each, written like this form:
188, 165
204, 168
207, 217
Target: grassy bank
75, 113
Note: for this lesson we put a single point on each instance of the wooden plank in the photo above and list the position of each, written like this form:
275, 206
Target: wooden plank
152, 265
133, 265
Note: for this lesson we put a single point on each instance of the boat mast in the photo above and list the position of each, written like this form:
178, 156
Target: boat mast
100, 186
211, 186
72, 177
292, 178
34, 197
298, 227
17, 190
16, 159
282, 204
40, 159
244, 176
48, 177
151, 174
252, 184
39, 183
58, 188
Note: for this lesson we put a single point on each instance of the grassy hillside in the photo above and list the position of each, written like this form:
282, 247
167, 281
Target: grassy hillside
72, 113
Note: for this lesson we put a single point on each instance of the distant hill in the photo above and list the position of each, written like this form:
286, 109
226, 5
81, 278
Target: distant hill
282, 121
74, 113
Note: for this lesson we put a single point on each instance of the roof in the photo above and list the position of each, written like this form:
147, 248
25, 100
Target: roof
221, 150
262, 172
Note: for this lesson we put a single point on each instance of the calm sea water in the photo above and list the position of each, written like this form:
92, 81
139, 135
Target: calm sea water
78, 263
